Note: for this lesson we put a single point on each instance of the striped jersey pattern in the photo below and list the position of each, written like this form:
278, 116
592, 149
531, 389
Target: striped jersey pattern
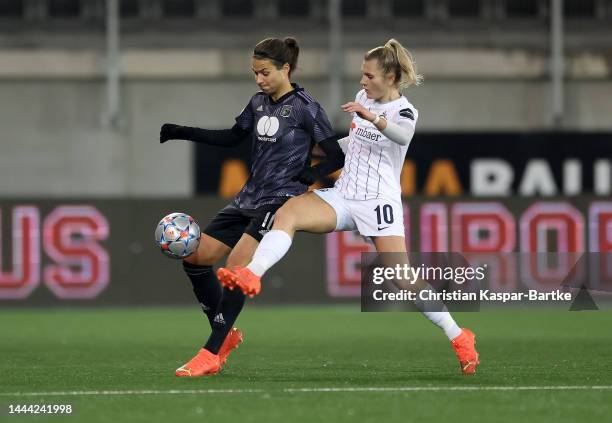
373, 163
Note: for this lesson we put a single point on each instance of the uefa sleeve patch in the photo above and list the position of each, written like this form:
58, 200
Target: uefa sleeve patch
407, 113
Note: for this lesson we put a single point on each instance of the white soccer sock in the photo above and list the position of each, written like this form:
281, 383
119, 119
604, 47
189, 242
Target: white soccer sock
444, 321
271, 249
441, 317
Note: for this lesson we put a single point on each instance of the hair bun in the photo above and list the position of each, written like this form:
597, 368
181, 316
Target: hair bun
290, 42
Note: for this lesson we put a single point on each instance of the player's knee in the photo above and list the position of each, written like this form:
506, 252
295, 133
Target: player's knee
285, 216
195, 259
203, 256
195, 269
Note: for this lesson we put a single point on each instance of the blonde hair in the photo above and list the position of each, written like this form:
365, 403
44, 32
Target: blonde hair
394, 58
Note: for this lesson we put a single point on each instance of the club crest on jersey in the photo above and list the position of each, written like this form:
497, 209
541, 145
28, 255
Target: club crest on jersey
286, 110
381, 113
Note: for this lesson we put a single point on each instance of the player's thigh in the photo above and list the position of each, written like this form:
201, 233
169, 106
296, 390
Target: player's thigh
243, 252
389, 244
306, 212
209, 252
220, 236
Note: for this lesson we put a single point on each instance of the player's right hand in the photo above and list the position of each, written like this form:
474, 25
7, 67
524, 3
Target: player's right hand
168, 132
362, 112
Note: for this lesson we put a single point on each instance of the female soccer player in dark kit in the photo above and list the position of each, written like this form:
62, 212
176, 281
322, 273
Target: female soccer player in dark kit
283, 122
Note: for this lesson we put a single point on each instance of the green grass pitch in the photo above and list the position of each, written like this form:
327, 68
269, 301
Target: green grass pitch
381, 366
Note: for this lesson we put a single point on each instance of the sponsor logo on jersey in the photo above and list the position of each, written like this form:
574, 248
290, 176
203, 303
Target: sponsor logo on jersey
369, 135
407, 113
260, 108
267, 126
286, 110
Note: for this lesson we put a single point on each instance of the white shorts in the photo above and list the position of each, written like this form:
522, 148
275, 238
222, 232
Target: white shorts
376, 217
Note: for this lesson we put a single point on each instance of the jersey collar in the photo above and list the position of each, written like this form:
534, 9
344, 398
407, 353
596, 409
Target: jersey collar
295, 90
388, 102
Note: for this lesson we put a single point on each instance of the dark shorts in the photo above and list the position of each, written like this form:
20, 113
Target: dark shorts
231, 222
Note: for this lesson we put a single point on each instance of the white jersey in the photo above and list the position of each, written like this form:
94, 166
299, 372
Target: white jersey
374, 163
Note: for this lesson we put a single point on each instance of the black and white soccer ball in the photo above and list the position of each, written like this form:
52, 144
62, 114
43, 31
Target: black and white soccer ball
177, 235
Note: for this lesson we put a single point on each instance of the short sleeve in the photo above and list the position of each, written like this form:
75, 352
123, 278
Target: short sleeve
246, 118
317, 123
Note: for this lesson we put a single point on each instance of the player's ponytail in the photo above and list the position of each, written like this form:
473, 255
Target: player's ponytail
278, 52
293, 51
394, 58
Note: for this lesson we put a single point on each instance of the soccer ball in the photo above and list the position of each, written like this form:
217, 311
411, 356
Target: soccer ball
177, 235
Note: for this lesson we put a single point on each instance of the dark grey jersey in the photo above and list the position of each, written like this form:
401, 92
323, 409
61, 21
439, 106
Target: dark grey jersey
283, 134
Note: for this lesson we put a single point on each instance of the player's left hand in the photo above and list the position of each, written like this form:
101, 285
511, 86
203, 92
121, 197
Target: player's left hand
362, 112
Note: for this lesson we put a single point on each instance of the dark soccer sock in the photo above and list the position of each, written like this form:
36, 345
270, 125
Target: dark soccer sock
206, 287
229, 309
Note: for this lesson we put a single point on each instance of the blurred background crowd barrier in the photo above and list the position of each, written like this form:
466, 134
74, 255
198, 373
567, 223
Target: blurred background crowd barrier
101, 252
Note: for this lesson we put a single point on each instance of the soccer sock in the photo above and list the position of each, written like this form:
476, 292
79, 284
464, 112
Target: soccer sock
229, 309
206, 288
444, 321
271, 249
440, 317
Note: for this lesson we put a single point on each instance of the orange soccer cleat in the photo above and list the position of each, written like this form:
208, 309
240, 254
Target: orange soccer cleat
233, 339
464, 346
204, 363
241, 277
227, 277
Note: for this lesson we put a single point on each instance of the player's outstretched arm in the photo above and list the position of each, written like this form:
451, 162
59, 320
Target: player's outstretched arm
220, 137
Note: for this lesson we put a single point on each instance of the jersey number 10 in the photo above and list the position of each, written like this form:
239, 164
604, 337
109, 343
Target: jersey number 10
386, 214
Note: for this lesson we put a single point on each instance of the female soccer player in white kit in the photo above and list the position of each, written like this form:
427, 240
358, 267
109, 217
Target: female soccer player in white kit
367, 196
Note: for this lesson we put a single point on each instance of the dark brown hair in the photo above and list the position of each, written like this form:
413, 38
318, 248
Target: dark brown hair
278, 52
